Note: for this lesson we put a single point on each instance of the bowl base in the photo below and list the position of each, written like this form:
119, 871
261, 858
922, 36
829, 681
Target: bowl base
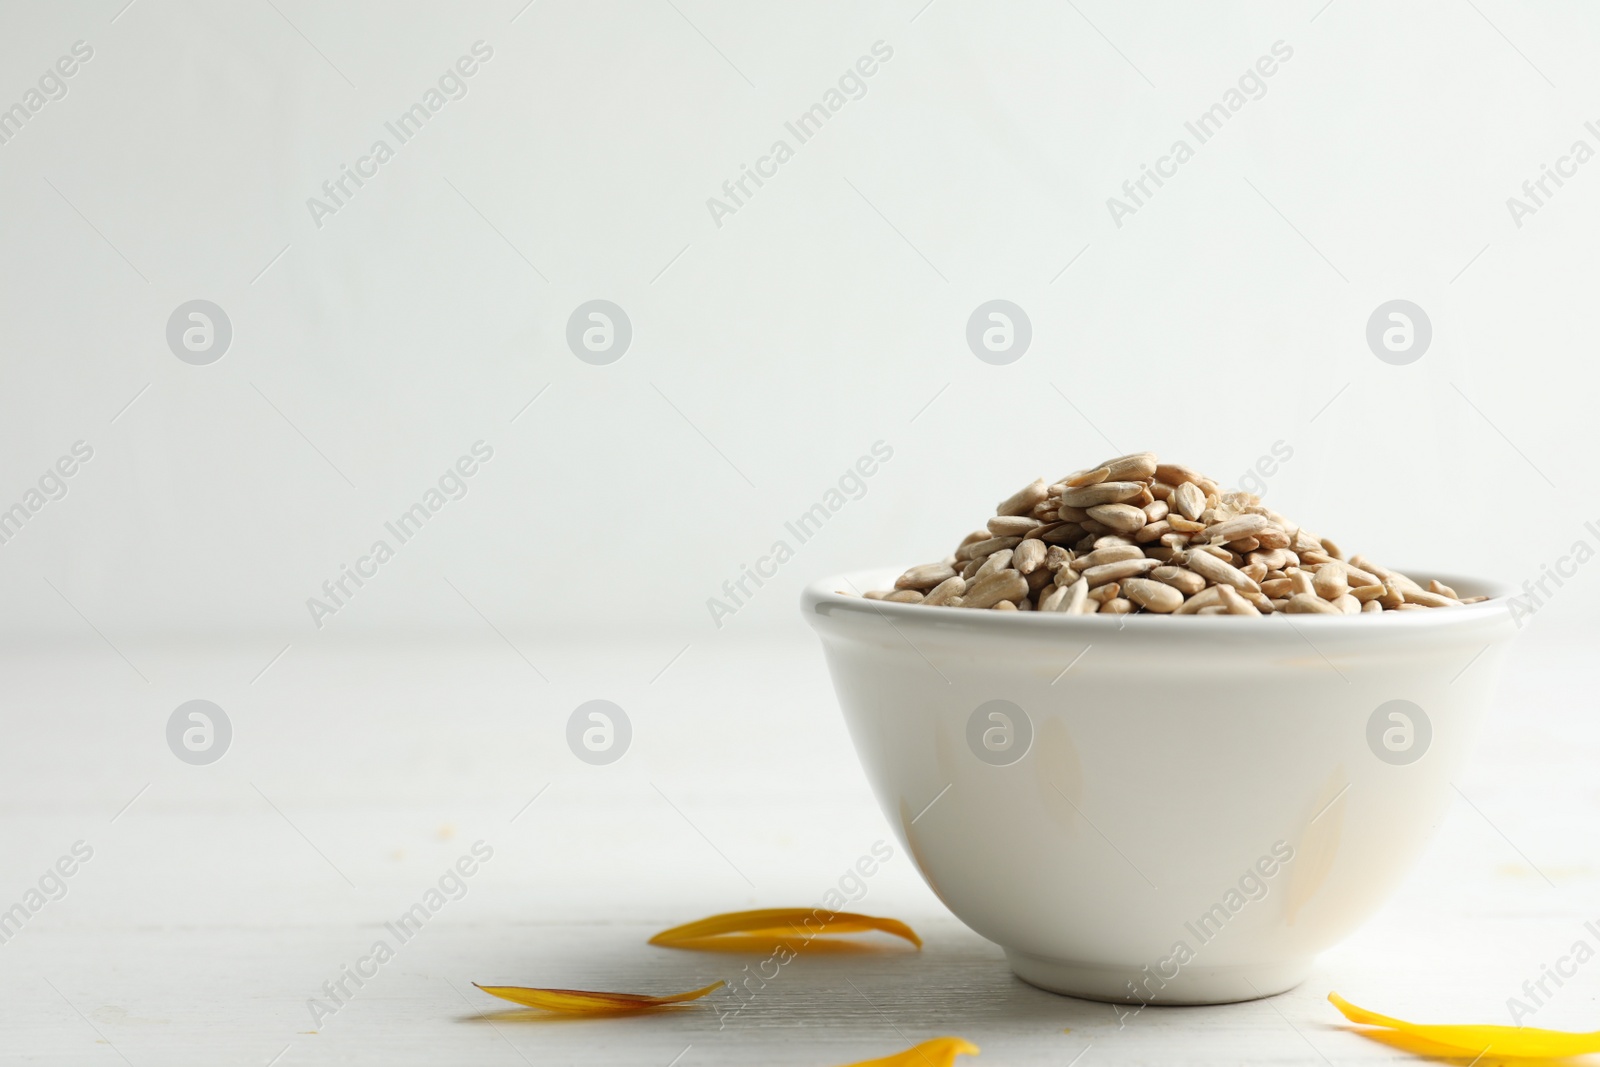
1194, 984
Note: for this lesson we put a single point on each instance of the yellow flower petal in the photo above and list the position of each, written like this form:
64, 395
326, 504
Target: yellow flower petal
583, 1002
756, 930
1524, 1041
937, 1052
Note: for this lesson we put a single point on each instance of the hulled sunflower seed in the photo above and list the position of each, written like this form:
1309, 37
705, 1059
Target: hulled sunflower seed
1027, 556
1135, 467
949, 589
1215, 570
1205, 598
1102, 593
1087, 496
1277, 588
1184, 581
995, 561
1046, 509
925, 576
1152, 595
1429, 600
1187, 500
1077, 602
991, 589
1233, 603
1022, 501
1331, 581
1122, 518
975, 549
1013, 525
1235, 529
1088, 477
1114, 572
1152, 531
1310, 604
1108, 554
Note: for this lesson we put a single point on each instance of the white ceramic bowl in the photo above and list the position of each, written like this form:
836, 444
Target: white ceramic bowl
1161, 809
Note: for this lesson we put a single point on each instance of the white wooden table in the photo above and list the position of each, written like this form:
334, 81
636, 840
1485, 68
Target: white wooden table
220, 900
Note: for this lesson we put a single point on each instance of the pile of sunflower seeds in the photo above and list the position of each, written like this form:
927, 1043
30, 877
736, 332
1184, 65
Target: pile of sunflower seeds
1134, 534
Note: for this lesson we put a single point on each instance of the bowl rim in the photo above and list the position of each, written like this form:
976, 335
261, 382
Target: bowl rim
822, 597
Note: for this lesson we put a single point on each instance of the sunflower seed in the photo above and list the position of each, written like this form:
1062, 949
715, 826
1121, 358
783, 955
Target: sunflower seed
1152, 531
1123, 518
1029, 555
1213, 569
926, 576
1046, 509
1184, 581
995, 561
974, 549
1077, 601
1109, 554
1233, 603
1310, 604
992, 588
1101, 594
1053, 600
1210, 595
1429, 600
1235, 529
1113, 572
1187, 500
1087, 496
949, 589
1331, 581
1277, 588
1022, 501
1152, 596
1013, 525
1088, 477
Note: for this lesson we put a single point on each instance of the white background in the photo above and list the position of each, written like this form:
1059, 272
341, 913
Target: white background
796, 334
768, 354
